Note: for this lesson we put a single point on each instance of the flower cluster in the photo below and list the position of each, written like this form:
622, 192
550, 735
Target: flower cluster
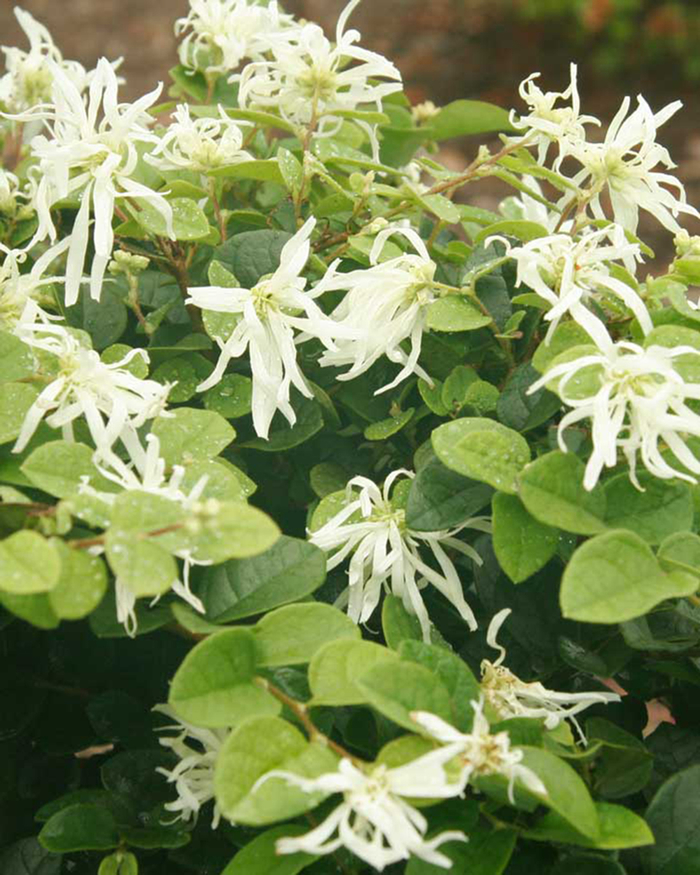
384, 552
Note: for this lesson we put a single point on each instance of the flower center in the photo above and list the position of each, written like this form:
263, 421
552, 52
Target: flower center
318, 83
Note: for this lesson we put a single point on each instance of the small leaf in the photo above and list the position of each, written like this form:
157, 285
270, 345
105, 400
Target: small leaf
28, 564
551, 488
440, 498
259, 856
453, 313
187, 433
80, 828
673, 817
483, 450
214, 685
616, 577
60, 467
81, 585
661, 509
289, 570
380, 431
314, 625
463, 117
522, 544
15, 401
335, 668
189, 220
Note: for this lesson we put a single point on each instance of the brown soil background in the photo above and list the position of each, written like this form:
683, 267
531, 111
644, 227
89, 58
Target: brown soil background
445, 49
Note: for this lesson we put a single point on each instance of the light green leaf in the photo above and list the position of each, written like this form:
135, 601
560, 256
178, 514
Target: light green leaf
661, 509
259, 856
397, 624
232, 397
262, 170
616, 577
522, 229
463, 117
81, 585
188, 433
189, 221
60, 467
486, 853
28, 564
483, 450
313, 625
385, 428
291, 170
618, 828
214, 685
231, 530
15, 401
335, 668
141, 565
255, 748
396, 689
453, 313
16, 359
551, 488
289, 570
522, 544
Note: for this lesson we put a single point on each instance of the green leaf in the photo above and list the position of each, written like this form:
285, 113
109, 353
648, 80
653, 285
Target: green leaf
456, 387
518, 408
522, 544
463, 117
291, 170
522, 229
142, 566
252, 254
288, 571
259, 856
663, 508
673, 816
385, 428
15, 401
214, 685
486, 853
28, 564
396, 689
80, 828
397, 624
180, 371
59, 468
440, 499
335, 668
314, 625
28, 857
551, 488
16, 359
262, 170
483, 450
81, 585
283, 436
252, 750
618, 828
232, 397
231, 530
624, 765
104, 320
189, 221
453, 313
35, 609
616, 577
680, 552
566, 336
566, 793
461, 684
188, 433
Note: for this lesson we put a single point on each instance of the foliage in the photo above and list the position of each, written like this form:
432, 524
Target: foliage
329, 501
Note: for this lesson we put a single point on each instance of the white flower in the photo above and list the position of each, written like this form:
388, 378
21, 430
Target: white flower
113, 401
21, 294
479, 753
532, 210
511, 697
625, 162
374, 822
635, 398
385, 553
386, 304
267, 327
9, 193
92, 159
225, 32
569, 272
310, 79
29, 77
193, 776
547, 123
200, 145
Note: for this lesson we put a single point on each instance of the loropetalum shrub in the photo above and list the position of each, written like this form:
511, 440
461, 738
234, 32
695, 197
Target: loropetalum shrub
346, 526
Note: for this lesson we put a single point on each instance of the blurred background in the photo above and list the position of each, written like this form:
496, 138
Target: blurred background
446, 49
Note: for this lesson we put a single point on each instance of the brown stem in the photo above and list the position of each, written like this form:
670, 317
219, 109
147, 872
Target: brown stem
98, 540
301, 712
